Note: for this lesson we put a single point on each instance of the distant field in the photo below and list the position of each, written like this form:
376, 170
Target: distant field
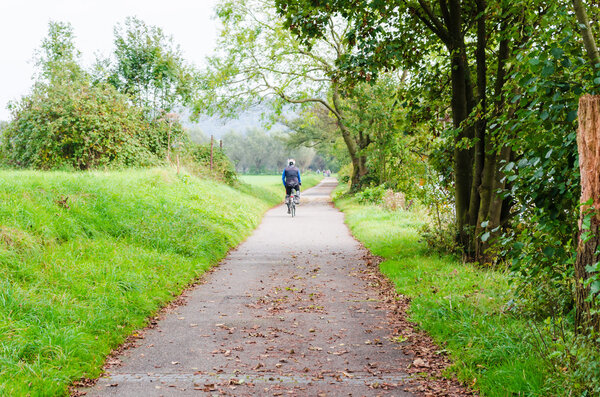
274, 184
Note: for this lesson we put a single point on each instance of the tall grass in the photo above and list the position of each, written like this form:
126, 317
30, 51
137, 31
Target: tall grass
86, 258
460, 306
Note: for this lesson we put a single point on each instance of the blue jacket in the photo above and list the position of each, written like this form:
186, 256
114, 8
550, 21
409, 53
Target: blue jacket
291, 176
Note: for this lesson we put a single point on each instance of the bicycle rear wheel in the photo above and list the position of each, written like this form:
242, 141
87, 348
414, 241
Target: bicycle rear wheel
293, 208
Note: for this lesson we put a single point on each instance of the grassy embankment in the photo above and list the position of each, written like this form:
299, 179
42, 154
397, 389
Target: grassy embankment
460, 306
86, 258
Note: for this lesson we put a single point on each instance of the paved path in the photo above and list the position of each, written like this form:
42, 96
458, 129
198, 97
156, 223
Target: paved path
286, 313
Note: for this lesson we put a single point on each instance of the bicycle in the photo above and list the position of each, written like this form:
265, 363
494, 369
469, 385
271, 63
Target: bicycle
291, 203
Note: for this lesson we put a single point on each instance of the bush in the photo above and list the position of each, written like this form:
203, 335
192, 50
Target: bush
223, 168
76, 125
371, 195
440, 232
345, 173
575, 360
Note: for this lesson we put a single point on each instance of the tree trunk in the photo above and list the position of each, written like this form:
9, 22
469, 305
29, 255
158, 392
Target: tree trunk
463, 158
586, 32
499, 206
351, 145
588, 144
483, 153
490, 206
462, 104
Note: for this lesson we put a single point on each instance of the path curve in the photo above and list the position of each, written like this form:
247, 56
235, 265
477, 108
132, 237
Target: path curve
286, 313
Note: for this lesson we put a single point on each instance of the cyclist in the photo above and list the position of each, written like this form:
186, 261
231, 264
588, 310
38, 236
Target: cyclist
291, 180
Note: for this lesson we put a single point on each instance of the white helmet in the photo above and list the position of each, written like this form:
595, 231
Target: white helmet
291, 161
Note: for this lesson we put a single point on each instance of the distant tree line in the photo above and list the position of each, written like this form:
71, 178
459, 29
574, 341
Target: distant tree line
258, 152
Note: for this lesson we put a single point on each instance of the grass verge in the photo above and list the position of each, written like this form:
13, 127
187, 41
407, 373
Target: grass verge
86, 258
460, 306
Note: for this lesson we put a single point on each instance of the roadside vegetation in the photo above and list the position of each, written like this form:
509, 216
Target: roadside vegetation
88, 257
473, 314
465, 309
483, 113
475, 114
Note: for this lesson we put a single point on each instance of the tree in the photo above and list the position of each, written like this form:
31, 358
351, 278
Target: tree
259, 60
587, 282
317, 129
149, 68
57, 58
68, 122
386, 35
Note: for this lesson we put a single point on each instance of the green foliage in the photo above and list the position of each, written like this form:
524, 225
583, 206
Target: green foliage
379, 114
459, 305
258, 58
316, 128
69, 123
371, 195
79, 126
57, 59
345, 173
87, 257
549, 76
223, 168
149, 68
576, 361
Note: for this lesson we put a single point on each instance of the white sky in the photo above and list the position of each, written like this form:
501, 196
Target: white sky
24, 23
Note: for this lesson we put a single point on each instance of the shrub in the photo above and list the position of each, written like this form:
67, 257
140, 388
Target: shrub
574, 359
345, 173
371, 195
76, 125
223, 168
440, 232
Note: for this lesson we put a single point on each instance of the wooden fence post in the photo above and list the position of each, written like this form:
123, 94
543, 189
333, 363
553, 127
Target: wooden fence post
588, 144
212, 143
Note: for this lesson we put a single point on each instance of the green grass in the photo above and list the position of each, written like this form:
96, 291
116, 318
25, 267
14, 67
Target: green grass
460, 306
86, 258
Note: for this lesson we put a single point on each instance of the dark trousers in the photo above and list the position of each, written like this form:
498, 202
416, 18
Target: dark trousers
288, 189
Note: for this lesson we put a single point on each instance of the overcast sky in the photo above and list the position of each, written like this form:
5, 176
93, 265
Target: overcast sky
24, 23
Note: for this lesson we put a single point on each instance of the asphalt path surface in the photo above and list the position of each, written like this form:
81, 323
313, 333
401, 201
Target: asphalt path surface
286, 313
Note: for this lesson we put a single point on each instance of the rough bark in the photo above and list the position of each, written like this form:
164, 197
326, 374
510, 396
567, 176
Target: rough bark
499, 206
483, 151
490, 206
588, 144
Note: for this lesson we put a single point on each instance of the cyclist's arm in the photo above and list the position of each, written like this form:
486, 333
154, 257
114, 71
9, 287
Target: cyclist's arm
299, 180
283, 177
